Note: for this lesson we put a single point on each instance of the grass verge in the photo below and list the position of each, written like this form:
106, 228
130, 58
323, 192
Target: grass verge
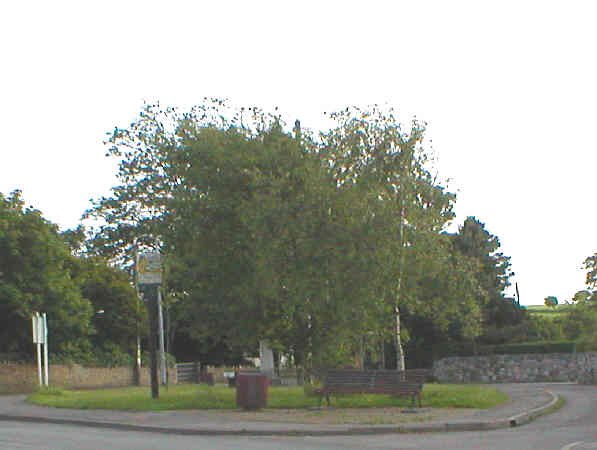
557, 405
191, 396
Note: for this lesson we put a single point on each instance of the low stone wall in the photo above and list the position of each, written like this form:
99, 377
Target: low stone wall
16, 378
570, 367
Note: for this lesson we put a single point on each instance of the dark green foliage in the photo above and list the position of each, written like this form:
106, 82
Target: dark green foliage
551, 301
469, 349
579, 319
285, 237
531, 347
35, 275
118, 314
39, 272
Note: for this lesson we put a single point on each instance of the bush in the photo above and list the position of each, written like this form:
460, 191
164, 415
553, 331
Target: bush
111, 356
146, 359
529, 347
467, 349
97, 359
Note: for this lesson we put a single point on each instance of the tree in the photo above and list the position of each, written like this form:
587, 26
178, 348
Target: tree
581, 297
474, 241
369, 148
119, 316
590, 265
580, 320
310, 242
35, 275
551, 301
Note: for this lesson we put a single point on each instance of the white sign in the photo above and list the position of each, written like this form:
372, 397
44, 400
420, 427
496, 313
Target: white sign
40, 336
149, 268
39, 331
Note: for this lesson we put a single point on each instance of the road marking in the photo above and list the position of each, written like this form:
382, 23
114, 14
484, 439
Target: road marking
584, 445
571, 446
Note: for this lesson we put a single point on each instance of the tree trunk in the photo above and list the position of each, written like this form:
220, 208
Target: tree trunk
399, 352
362, 353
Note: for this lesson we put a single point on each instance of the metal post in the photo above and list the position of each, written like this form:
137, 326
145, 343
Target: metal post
151, 297
37, 339
149, 278
138, 348
45, 348
39, 364
138, 344
161, 336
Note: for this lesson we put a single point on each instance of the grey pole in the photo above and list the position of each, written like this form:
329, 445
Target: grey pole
161, 330
45, 318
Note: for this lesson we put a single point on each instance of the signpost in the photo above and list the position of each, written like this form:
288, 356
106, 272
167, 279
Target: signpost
149, 278
161, 339
40, 336
149, 268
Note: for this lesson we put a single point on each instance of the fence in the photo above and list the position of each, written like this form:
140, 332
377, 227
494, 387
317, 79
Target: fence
190, 372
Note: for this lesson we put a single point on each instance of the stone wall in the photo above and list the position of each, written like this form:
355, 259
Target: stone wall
16, 378
562, 367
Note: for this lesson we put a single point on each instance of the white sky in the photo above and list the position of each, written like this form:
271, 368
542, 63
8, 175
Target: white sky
508, 89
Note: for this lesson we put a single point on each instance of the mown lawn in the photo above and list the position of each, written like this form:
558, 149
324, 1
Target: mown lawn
191, 396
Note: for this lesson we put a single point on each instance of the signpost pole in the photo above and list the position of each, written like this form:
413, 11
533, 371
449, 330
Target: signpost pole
45, 337
152, 300
37, 340
161, 336
149, 279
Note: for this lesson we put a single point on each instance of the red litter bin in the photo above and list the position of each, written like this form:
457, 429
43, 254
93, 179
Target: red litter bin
251, 390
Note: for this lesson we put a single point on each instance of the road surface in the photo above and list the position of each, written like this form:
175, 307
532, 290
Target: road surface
573, 427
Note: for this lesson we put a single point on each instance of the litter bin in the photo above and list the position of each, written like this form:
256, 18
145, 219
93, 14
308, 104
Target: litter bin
251, 390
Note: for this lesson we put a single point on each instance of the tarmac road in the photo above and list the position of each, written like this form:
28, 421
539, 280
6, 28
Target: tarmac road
573, 427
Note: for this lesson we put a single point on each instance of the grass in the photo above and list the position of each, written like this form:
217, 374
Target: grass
558, 404
192, 396
547, 310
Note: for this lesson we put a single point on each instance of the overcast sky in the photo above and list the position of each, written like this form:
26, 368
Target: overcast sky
508, 90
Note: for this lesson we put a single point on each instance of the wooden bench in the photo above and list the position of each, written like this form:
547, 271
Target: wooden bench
393, 382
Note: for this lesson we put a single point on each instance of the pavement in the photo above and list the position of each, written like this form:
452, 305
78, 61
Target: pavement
528, 400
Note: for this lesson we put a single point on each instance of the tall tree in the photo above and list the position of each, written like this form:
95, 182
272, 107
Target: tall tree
35, 276
369, 147
119, 316
307, 241
493, 273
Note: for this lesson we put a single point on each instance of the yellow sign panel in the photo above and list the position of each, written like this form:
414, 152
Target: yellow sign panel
149, 268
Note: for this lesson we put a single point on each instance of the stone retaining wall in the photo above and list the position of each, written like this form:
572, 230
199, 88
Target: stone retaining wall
571, 367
